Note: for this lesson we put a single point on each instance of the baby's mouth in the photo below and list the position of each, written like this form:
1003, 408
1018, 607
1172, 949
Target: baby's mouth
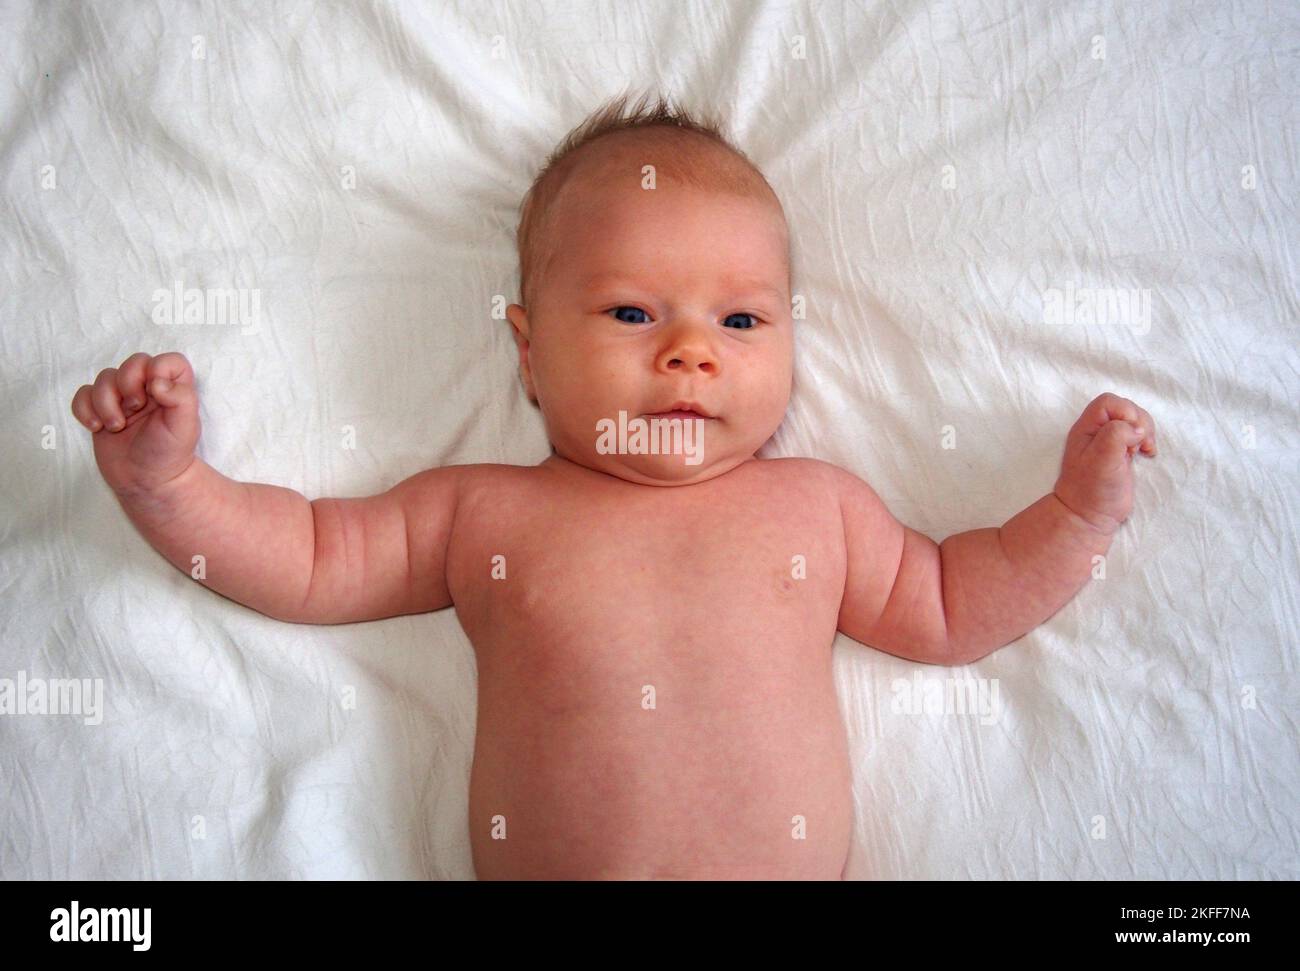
678, 414
684, 410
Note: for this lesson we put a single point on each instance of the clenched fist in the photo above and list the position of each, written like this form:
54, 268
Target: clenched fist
1096, 480
145, 419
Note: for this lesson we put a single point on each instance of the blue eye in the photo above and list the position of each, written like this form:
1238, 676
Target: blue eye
635, 315
619, 313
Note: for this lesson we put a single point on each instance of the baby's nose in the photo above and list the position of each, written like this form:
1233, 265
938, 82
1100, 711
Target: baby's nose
688, 351
691, 361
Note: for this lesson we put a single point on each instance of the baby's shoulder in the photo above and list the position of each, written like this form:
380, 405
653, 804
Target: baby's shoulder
814, 478
491, 477
814, 472
802, 481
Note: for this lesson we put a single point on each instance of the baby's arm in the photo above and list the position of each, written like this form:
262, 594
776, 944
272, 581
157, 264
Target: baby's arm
956, 601
328, 561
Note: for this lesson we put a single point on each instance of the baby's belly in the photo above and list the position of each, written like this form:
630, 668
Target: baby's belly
705, 758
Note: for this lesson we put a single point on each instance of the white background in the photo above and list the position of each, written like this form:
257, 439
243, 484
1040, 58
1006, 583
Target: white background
925, 309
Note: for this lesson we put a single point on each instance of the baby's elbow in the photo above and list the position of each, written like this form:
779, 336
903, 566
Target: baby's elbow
961, 652
292, 615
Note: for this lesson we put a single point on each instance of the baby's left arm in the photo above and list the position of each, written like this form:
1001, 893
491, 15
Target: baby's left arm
956, 601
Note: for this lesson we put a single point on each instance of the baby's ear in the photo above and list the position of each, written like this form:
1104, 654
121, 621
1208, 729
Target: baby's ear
518, 318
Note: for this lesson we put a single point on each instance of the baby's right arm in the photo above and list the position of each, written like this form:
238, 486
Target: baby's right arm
328, 561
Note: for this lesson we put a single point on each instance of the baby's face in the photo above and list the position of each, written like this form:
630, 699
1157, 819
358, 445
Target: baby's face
657, 297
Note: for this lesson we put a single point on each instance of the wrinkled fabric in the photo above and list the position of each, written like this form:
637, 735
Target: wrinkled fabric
974, 191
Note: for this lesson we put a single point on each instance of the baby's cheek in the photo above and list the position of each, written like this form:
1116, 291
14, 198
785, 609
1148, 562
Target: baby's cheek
769, 392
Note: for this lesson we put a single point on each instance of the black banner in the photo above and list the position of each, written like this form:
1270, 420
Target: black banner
137, 921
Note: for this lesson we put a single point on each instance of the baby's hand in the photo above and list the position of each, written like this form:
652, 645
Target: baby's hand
145, 419
1096, 481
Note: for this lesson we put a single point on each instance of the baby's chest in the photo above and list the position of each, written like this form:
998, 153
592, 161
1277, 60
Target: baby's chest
653, 575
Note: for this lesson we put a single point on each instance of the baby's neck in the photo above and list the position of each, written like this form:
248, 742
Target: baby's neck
585, 474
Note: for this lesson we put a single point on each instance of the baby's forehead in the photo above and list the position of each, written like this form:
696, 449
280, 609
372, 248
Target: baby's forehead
645, 157
611, 171
682, 167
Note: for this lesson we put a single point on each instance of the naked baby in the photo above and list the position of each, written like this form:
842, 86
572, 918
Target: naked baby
653, 635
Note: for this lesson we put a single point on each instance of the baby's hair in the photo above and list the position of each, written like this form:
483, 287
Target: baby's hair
694, 161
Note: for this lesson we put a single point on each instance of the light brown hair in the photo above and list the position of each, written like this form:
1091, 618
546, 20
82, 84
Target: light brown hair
694, 161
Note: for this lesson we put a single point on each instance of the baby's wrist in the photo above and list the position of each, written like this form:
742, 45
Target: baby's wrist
158, 492
1093, 525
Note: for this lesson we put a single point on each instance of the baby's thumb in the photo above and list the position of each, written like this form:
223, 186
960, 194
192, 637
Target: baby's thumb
1115, 438
170, 394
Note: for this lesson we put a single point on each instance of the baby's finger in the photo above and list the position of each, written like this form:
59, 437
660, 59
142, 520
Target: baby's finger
84, 411
107, 401
171, 380
130, 382
1112, 406
173, 366
171, 394
1148, 425
1116, 438
1101, 409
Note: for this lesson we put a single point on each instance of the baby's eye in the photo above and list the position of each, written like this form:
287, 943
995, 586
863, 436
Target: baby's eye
743, 323
628, 314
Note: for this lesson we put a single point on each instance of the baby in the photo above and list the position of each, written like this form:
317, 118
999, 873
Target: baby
652, 625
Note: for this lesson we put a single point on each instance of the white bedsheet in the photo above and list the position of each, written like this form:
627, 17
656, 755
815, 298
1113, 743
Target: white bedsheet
1149, 730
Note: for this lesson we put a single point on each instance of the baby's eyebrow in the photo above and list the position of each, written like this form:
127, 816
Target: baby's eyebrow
604, 280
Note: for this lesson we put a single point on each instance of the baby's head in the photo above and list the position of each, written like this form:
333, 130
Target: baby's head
654, 271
